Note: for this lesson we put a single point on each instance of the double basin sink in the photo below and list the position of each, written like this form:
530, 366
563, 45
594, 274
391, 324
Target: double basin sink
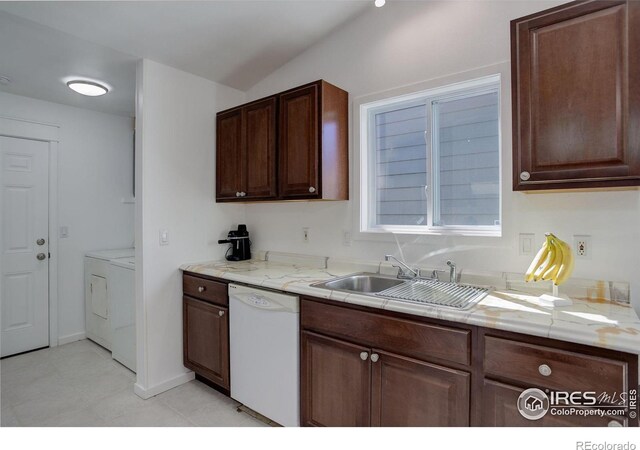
420, 290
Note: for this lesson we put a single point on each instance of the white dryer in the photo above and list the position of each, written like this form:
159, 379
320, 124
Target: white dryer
96, 285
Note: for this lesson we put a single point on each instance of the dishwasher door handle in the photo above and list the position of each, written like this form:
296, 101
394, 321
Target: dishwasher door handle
258, 301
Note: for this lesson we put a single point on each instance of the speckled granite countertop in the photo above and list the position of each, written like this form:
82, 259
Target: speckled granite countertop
591, 321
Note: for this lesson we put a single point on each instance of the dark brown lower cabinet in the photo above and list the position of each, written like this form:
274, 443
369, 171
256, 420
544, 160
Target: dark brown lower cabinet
337, 386
411, 393
206, 340
367, 367
499, 409
346, 384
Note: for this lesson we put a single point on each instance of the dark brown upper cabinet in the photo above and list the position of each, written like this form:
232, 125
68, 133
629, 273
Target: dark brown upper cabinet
576, 96
246, 152
313, 158
290, 146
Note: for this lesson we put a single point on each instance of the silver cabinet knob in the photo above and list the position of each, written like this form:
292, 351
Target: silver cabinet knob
364, 356
375, 357
40, 241
544, 370
41, 256
243, 194
201, 288
221, 313
614, 423
237, 194
524, 176
312, 189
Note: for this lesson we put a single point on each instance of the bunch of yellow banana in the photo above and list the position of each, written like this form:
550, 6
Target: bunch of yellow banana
554, 262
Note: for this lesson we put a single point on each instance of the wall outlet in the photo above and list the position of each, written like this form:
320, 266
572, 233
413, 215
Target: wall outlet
527, 244
305, 235
64, 232
346, 238
582, 246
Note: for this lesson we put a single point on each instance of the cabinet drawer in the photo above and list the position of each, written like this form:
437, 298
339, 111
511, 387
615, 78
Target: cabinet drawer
208, 290
416, 339
535, 365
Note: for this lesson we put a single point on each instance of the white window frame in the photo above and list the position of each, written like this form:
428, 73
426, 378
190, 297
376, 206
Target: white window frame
367, 198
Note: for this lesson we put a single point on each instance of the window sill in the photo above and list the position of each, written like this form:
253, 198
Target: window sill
374, 234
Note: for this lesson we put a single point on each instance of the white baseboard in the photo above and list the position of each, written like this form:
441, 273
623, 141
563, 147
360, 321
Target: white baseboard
71, 338
164, 386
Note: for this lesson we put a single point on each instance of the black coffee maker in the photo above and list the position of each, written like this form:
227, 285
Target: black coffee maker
240, 244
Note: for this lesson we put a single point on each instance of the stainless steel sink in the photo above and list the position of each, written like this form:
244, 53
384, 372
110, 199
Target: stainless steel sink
362, 283
422, 291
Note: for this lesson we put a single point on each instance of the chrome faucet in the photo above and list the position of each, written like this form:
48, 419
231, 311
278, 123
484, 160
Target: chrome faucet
453, 273
403, 268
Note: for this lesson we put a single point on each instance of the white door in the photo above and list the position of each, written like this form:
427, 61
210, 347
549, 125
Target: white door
24, 202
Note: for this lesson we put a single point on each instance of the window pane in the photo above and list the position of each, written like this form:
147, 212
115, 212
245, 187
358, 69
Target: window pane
468, 161
401, 166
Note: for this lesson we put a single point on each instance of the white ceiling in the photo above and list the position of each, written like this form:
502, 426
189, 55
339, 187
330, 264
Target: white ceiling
236, 43
39, 59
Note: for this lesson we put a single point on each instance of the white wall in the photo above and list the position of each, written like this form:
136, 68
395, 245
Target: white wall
408, 42
175, 168
95, 171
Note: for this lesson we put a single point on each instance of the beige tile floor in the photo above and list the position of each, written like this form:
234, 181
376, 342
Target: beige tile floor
78, 384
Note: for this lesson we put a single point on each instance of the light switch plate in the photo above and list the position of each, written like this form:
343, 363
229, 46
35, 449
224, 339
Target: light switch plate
527, 244
64, 232
164, 237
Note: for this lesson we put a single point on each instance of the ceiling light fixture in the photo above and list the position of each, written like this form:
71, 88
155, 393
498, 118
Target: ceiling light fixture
379, 3
90, 88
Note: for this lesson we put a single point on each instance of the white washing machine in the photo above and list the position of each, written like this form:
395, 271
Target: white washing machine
121, 296
96, 287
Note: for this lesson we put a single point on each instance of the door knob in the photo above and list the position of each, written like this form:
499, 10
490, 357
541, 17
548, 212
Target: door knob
524, 176
364, 356
312, 189
41, 256
375, 357
40, 241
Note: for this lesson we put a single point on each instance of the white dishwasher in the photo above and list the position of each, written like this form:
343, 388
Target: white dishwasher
264, 352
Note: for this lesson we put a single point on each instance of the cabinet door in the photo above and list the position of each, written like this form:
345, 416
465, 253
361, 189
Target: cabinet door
499, 409
575, 83
411, 393
299, 136
206, 340
335, 382
260, 143
229, 155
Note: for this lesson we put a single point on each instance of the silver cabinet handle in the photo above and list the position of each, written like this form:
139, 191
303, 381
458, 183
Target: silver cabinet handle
221, 313
544, 370
201, 288
364, 356
40, 241
524, 176
41, 256
375, 357
312, 189
614, 423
